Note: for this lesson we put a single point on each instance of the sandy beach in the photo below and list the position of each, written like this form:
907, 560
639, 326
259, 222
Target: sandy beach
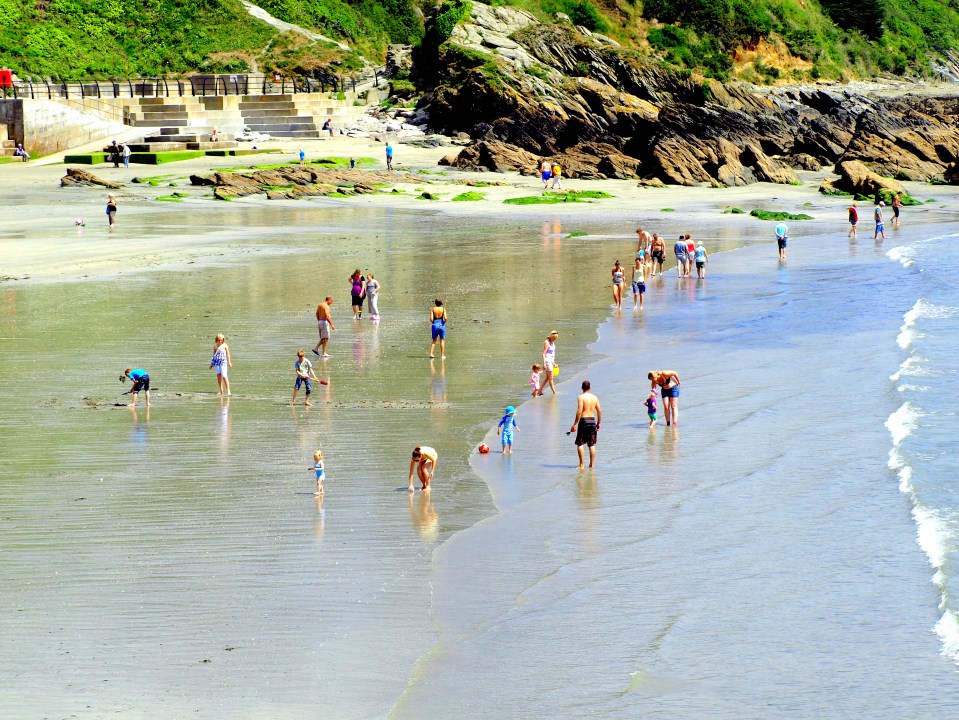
175, 562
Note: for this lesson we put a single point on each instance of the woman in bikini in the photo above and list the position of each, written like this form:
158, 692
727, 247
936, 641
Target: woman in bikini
668, 382
619, 276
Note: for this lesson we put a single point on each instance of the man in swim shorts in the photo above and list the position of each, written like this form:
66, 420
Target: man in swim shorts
324, 323
589, 415
546, 172
853, 220
880, 227
658, 251
680, 249
896, 207
141, 381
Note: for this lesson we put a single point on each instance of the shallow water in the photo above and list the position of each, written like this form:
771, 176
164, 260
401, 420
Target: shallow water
757, 561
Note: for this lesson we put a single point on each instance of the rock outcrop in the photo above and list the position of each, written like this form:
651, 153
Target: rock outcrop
856, 178
82, 178
298, 181
558, 91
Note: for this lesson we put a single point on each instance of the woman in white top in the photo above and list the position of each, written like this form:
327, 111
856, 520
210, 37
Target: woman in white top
549, 361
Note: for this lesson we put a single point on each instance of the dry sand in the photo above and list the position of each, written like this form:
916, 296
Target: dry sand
41, 242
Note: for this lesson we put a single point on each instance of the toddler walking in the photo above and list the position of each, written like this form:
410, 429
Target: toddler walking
651, 409
318, 469
505, 429
534, 379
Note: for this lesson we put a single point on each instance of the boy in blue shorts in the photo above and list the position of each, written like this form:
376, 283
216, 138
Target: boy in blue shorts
505, 429
141, 381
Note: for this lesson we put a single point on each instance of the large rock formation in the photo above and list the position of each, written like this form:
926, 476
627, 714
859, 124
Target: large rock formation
555, 90
298, 181
84, 178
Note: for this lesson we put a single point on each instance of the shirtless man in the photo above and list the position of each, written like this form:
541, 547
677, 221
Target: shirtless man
589, 415
659, 253
324, 323
423, 464
645, 239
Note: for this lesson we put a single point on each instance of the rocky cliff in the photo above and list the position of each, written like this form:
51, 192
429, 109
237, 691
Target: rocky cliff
523, 90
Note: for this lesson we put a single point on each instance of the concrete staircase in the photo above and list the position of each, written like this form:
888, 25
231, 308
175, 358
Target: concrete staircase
298, 116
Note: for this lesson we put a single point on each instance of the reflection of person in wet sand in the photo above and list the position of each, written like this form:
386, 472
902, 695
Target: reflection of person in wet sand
423, 517
422, 464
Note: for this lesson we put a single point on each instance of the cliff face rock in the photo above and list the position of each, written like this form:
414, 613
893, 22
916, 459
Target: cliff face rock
556, 91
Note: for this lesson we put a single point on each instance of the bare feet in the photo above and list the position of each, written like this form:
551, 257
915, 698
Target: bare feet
307, 403
580, 467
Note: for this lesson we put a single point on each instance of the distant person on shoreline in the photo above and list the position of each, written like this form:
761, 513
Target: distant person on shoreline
896, 207
679, 249
880, 227
328, 127
658, 249
690, 252
781, 239
549, 361
651, 408
668, 382
546, 172
389, 156
557, 175
505, 429
304, 373
324, 323
115, 154
141, 381
221, 362
534, 379
372, 294
423, 465
702, 257
853, 219
126, 155
438, 319
639, 282
111, 210
319, 470
586, 424
357, 293
302, 157
619, 278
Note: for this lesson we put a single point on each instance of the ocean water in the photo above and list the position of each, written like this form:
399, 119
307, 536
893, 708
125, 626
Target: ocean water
758, 560
784, 552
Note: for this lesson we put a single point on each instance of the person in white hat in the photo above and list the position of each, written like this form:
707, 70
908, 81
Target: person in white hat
880, 227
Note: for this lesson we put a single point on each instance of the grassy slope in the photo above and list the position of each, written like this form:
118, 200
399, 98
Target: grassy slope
802, 39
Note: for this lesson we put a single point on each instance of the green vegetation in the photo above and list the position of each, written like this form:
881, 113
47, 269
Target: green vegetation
667, 210
577, 234
468, 196
342, 162
887, 195
776, 215
7, 159
734, 211
85, 159
175, 197
551, 198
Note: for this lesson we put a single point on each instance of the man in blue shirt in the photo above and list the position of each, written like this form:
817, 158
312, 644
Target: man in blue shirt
680, 249
781, 230
389, 156
141, 381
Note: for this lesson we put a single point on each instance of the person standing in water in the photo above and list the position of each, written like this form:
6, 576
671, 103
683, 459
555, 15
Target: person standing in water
658, 251
702, 257
853, 220
438, 321
423, 465
324, 323
549, 361
618, 280
505, 429
589, 416
319, 470
639, 282
880, 226
111, 210
668, 382
141, 381
896, 208
357, 293
372, 292
680, 251
221, 362
781, 241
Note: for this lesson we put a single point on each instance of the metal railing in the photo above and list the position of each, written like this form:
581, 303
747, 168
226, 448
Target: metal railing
196, 86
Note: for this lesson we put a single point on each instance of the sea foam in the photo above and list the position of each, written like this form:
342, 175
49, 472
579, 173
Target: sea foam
902, 422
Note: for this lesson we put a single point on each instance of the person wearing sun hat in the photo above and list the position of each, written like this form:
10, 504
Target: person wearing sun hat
505, 429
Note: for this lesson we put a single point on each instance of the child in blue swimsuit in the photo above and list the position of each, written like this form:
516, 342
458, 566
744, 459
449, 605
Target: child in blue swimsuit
319, 470
505, 429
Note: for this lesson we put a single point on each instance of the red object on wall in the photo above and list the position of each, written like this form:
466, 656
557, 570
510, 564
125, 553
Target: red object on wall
6, 78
